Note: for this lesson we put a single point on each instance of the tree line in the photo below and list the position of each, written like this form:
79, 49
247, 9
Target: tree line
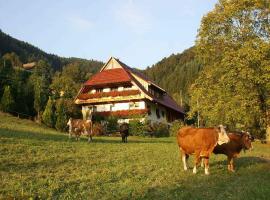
225, 77
42, 94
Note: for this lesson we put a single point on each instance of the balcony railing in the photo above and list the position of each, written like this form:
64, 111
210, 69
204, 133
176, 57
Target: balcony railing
122, 113
86, 96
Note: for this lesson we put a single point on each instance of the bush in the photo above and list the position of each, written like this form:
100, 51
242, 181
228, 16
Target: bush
61, 121
48, 116
98, 129
176, 125
112, 123
136, 128
160, 130
7, 101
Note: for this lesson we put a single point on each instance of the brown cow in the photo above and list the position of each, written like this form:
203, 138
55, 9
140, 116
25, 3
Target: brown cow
78, 127
238, 141
201, 142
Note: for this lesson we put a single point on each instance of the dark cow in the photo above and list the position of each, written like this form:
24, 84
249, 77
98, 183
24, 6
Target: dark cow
238, 141
201, 142
124, 132
80, 127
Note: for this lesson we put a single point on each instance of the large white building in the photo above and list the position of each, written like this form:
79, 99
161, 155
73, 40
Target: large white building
121, 91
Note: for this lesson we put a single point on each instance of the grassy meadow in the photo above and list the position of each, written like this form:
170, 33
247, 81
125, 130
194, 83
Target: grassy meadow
39, 162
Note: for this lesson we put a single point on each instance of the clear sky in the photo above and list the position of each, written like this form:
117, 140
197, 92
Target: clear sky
138, 32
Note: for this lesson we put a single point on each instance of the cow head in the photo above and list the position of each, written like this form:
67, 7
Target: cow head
246, 140
222, 135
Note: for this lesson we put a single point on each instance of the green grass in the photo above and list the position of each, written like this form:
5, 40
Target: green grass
37, 161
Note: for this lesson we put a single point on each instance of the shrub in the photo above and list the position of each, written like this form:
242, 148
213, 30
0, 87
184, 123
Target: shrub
7, 101
176, 125
112, 123
98, 129
48, 116
136, 128
61, 121
160, 130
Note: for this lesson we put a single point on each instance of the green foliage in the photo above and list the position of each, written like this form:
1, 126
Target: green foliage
48, 116
233, 43
61, 117
174, 128
176, 73
160, 130
7, 101
112, 123
136, 128
13, 58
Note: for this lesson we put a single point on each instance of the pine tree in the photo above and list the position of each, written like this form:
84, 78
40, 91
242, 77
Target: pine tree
48, 116
61, 121
7, 101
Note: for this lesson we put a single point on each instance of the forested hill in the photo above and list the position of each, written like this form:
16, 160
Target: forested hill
176, 73
29, 53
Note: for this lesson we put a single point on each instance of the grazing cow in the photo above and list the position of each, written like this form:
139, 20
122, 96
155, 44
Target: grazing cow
124, 132
78, 127
201, 142
238, 141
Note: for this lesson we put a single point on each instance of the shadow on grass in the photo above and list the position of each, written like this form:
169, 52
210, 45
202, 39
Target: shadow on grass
64, 137
253, 182
244, 162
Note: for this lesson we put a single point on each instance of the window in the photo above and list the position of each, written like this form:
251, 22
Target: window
134, 105
127, 87
149, 109
163, 113
114, 89
157, 113
111, 107
99, 90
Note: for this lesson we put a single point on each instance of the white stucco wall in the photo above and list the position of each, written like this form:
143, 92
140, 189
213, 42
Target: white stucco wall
118, 106
153, 117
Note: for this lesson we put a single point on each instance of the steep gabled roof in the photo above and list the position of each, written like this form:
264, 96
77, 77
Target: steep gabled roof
124, 73
118, 75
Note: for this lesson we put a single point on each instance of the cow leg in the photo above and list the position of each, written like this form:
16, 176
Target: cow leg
230, 164
197, 161
184, 160
206, 164
126, 139
90, 138
202, 162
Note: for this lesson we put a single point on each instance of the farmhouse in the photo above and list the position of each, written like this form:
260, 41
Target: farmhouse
119, 90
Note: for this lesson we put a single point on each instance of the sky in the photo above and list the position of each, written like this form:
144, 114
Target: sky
138, 32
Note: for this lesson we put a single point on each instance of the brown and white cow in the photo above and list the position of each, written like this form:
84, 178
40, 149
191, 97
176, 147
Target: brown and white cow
201, 142
238, 141
80, 127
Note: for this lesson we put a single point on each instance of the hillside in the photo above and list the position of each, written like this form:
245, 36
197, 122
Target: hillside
41, 163
176, 73
29, 53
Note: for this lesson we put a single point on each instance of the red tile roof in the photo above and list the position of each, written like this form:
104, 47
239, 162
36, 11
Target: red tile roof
118, 75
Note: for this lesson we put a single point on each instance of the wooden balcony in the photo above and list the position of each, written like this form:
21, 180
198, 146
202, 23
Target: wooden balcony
112, 96
122, 113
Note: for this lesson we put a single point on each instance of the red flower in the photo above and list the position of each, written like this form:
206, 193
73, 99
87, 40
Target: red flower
85, 96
